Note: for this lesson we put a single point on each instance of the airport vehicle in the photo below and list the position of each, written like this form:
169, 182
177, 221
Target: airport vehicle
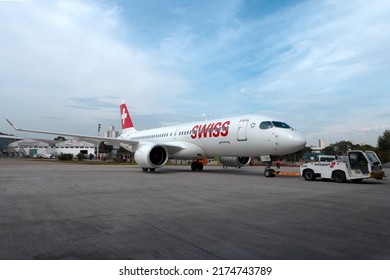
234, 140
326, 158
43, 156
354, 167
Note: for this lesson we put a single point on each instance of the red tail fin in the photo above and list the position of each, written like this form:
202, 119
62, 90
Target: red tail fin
125, 117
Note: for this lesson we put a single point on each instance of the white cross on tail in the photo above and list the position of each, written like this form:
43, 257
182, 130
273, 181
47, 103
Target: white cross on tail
124, 116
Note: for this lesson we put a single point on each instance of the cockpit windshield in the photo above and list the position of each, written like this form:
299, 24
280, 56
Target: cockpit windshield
280, 124
266, 125
269, 124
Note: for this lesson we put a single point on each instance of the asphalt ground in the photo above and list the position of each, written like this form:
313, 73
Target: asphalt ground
52, 210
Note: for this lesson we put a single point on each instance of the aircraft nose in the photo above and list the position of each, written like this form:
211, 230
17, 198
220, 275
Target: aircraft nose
292, 142
298, 141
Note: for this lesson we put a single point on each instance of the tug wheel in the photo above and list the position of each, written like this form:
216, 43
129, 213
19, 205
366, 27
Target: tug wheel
309, 175
339, 177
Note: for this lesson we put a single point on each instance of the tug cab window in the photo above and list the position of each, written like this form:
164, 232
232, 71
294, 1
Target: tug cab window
358, 161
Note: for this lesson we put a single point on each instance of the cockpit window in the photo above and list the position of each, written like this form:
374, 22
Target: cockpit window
280, 124
266, 125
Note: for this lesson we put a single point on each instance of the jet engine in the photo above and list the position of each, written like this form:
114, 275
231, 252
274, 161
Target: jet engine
151, 156
235, 161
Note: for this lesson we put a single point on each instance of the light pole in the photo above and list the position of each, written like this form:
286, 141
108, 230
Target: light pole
98, 144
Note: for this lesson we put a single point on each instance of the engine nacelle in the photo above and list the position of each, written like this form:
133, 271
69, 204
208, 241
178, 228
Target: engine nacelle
151, 156
235, 161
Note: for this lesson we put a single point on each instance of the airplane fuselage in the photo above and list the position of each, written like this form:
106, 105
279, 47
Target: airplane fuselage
235, 136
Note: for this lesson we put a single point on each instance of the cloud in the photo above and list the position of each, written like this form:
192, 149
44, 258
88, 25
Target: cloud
314, 64
324, 66
94, 103
68, 52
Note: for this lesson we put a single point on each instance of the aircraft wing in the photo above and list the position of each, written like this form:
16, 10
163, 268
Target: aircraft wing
173, 147
107, 140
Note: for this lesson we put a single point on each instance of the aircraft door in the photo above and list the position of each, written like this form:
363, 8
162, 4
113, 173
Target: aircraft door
241, 130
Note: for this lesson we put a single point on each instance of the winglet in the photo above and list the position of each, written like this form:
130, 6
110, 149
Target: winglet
11, 124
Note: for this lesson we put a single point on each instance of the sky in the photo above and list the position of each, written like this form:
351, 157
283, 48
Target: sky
321, 66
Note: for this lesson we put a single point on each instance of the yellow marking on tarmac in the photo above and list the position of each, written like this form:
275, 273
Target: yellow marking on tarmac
284, 173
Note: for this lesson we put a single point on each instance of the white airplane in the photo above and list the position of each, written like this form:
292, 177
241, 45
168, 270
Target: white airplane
234, 140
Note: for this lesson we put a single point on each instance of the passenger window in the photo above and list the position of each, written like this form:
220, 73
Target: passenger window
266, 125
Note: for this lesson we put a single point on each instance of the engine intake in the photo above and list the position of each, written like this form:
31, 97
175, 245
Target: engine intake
235, 161
151, 156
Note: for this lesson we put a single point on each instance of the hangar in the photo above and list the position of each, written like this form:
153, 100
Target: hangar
34, 147
5, 140
74, 146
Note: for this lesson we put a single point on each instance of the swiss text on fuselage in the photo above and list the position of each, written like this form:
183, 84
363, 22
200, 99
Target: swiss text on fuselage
210, 130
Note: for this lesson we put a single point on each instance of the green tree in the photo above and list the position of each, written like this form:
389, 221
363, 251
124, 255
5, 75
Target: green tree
339, 148
103, 148
80, 156
365, 147
65, 156
297, 155
60, 138
384, 146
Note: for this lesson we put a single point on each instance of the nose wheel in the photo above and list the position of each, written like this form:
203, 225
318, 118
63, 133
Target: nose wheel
269, 172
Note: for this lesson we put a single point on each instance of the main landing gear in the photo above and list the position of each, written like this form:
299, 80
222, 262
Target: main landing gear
196, 166
148, 169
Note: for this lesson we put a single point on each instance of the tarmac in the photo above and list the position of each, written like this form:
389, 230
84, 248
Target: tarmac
53, 210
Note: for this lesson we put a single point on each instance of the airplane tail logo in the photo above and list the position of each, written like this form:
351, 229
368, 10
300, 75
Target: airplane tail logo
126, 122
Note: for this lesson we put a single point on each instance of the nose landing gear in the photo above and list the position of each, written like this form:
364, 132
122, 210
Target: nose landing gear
269, 172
